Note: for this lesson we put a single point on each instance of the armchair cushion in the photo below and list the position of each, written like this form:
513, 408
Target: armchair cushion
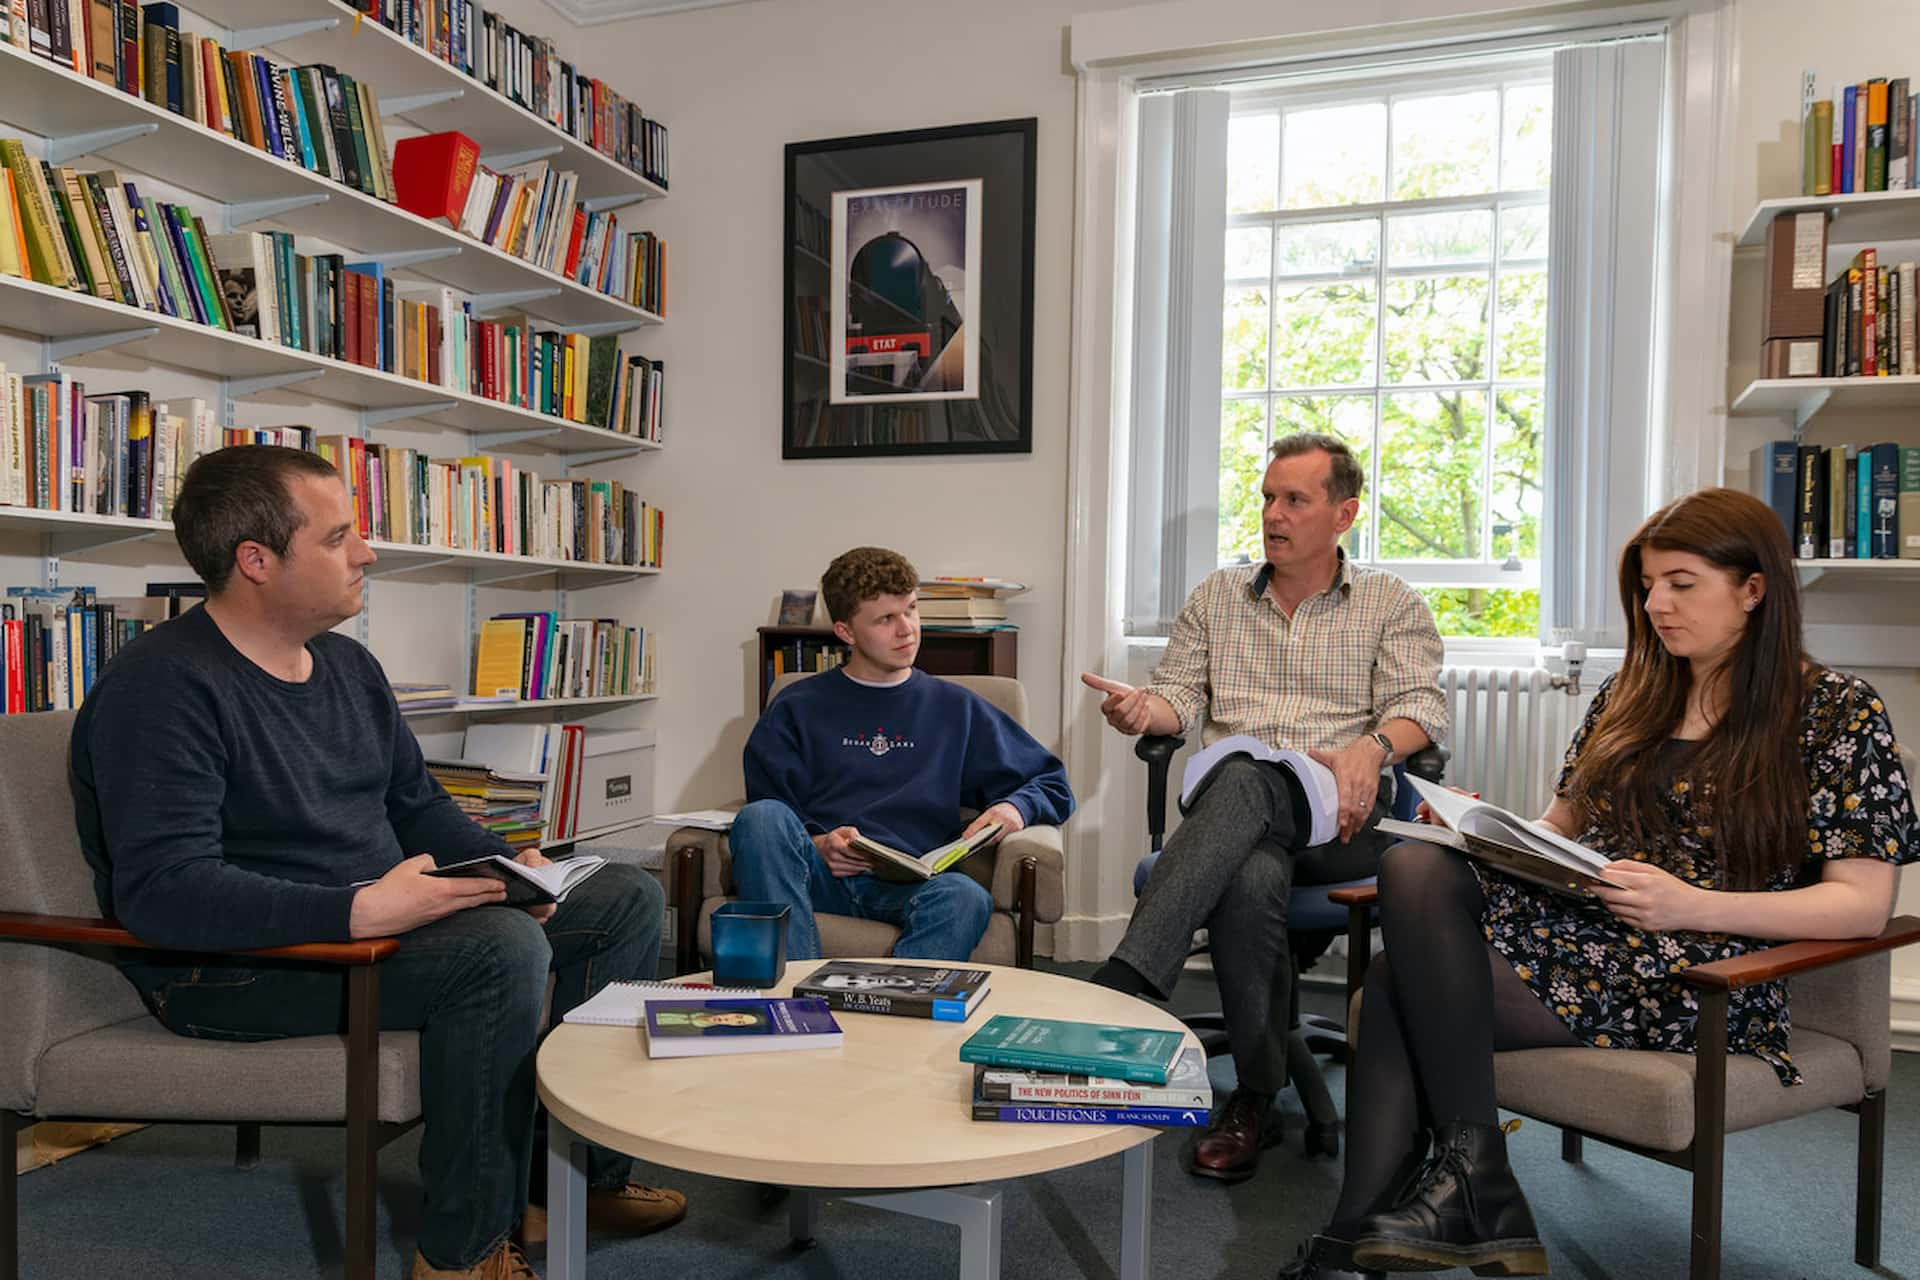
847, 936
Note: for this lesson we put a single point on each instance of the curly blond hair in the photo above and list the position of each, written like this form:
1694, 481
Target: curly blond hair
863, 574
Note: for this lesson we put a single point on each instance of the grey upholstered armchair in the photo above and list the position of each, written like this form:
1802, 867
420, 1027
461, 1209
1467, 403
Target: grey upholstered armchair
1024, 872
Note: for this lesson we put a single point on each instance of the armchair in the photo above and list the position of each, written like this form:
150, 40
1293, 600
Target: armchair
76, 1042
1025, 872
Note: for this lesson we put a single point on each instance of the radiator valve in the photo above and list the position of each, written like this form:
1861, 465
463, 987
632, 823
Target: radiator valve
1574, 654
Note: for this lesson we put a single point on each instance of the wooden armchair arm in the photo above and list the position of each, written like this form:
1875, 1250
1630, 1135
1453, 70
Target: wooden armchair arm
30, 927
1789, 958
1364, 896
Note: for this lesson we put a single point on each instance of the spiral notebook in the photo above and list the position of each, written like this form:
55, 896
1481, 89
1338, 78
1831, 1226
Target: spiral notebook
624, 1004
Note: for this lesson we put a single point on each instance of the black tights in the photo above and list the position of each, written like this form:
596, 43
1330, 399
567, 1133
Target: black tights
1437, 1006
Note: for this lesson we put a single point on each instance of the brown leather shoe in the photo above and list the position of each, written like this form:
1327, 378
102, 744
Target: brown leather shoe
1229, 1148
504, 1263
632, 1210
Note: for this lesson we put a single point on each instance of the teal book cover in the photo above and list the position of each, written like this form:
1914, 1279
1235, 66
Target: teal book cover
1046, 1044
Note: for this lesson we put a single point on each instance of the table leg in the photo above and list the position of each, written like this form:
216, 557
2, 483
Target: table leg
1136, 1211
976, 1212
566, 1203
803, 1215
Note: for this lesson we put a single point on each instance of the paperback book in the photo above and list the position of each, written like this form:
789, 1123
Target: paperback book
528, 886
1316, 780
910, 990
1187, 1086
1072, 1113
1504, 840
1047, 1044
696, 1028
893, 864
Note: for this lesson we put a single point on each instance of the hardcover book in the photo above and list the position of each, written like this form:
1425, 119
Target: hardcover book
911, 990
1503, 840
696, 1028
1070, 1113
1187, 1086
1048, 1044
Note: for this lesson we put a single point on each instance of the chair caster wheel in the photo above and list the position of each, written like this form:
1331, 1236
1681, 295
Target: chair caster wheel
1322, 1139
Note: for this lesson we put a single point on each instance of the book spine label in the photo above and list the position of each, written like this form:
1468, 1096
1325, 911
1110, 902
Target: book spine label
1168, 1117
1880, 512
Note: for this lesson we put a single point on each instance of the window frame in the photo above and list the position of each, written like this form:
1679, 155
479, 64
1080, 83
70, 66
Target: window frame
1500, 73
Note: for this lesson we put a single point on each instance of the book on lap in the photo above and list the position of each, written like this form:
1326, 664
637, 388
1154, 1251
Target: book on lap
696, 1028
527, 886
1049, 1044
1503, 840
892, 864
1316, 780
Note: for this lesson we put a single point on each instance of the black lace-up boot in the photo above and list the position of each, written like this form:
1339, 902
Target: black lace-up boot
1324, 1258
1463, 1209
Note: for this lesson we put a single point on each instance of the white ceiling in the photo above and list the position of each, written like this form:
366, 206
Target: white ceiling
589, 13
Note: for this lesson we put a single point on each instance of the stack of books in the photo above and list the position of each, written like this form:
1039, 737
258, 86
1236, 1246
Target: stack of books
507, 803
1044, 1071
423, 697
966, 604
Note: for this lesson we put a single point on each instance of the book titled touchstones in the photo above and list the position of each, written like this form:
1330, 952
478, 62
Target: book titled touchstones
943, 993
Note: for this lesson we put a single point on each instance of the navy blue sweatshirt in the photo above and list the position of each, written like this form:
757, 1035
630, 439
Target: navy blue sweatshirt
898, 762
223, 809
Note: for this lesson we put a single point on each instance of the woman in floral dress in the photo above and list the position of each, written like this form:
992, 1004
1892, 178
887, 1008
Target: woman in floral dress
1745, 794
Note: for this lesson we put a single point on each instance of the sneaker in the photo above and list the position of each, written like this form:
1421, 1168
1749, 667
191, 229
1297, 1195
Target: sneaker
504, 1263
632, 1210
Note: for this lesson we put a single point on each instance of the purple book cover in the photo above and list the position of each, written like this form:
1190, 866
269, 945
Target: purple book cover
725, 1019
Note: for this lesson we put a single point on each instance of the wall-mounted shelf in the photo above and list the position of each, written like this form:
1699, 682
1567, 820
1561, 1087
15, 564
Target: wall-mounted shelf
530, 704
1802, 398
399, 70
1860, 571
1864, 217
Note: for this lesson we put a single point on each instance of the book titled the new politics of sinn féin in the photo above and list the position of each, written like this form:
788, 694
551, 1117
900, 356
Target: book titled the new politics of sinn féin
1187, 1086
1048, 1044
943, 993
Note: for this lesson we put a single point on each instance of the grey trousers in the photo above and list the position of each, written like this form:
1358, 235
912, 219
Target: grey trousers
1229, 867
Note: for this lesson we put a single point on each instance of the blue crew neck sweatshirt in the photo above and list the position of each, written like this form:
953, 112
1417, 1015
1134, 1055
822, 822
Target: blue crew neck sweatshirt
898, 762
223, 809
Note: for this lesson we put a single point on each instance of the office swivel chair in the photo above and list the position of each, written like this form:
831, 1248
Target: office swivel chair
1313, 921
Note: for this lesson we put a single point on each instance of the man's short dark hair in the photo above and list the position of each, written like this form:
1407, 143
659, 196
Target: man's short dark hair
863, 574
240, 494
1345, 479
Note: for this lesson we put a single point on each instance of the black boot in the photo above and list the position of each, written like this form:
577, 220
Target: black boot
1324, 1258
1463, 1209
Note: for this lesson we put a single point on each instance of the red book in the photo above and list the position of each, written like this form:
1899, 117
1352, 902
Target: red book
431, 174
573, 243
350, 316
14, 644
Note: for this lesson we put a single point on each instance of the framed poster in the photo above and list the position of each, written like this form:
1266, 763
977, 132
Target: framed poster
909, 293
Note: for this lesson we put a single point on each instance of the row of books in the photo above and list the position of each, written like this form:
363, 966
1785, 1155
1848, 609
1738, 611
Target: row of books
488, 503
1869, 328
55, 641
1860, 139
535, 656
806, 655
1842, 502
528, 71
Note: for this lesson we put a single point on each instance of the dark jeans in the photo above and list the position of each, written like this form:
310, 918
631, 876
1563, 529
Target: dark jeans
774, 861
472, 985
1230, 867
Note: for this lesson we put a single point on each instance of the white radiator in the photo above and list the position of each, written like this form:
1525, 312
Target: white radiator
1510, 733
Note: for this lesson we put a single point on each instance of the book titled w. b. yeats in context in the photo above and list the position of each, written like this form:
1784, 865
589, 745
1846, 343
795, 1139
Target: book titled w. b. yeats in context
694, 1028
913, 990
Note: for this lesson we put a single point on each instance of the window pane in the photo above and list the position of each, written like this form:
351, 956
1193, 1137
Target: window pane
1348, 417
1483, 611
1526, 141
1523, 232
1444, 145
1436, 329
1323, 335
1335, 155
1243, 343
1253, 163
1315, 248
1249, 253
1440, 239
1243, 449
1521, 321
1431, 455
1519, 486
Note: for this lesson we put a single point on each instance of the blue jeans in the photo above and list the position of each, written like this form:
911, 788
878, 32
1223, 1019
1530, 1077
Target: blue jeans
472, 985
774, 861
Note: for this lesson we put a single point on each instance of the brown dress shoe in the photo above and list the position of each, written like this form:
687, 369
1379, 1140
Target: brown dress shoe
1229, 1148
632, 1210
504, 1263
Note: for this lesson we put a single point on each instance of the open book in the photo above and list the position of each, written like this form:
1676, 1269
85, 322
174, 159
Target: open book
1503, 839
1322, 789
528, 886
892, 864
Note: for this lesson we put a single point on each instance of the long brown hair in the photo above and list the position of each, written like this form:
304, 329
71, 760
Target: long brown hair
1747, 773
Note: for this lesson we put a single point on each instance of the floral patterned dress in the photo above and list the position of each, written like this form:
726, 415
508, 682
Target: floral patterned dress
1618, 987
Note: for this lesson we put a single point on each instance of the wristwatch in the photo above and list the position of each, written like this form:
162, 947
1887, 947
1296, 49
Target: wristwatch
1386, 744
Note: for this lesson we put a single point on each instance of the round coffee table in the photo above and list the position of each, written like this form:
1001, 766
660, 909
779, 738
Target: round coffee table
783, 1118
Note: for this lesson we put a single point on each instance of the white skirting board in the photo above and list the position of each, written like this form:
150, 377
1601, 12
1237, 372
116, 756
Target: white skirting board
1906, 1014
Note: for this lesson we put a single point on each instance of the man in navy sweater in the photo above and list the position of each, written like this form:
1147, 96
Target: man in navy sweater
242, 779
879, 749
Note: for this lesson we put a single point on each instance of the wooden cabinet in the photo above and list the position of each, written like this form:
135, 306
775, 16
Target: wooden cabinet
942, 653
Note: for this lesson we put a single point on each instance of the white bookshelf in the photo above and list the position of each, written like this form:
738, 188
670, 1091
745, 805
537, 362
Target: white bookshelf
1863, 572
1802, 398
1863, 217
529, 704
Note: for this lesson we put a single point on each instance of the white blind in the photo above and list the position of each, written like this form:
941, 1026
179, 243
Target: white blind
1603, 254
1180, 266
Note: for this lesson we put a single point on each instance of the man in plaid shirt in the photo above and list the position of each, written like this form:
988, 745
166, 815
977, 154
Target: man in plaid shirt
1303, 650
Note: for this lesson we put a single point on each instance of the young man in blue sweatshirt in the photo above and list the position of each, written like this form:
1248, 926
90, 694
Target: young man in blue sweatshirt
879, 749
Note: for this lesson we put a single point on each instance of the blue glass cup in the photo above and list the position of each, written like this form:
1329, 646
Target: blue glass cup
749, 943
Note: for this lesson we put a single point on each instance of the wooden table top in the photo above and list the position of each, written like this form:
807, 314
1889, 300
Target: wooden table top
889, 1108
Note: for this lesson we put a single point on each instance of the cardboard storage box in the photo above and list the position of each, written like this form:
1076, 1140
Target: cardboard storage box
616, 778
